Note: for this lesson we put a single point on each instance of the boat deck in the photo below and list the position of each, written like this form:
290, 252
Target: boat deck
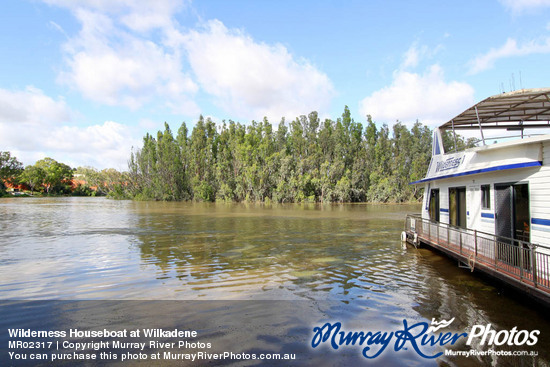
521, 264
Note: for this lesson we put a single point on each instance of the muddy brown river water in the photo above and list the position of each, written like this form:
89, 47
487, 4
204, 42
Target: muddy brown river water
249, 278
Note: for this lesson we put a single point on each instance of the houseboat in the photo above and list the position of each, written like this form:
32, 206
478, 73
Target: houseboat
489, 206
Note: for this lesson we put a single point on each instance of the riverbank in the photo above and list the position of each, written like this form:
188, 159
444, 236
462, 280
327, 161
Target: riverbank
267, 201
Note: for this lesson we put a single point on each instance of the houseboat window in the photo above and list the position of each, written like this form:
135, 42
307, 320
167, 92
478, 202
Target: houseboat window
486, 196
434, 204
457, 206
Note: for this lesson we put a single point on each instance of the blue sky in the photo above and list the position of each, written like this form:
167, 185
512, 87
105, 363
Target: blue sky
83, 81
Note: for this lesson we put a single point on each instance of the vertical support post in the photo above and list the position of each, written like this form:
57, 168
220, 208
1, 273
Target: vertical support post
495, 251
533, 251
454, 134
521, 124
460, 241
520, 248
475, 241
448, 236
479, 123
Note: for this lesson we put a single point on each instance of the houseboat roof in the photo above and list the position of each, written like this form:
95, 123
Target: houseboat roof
517, 110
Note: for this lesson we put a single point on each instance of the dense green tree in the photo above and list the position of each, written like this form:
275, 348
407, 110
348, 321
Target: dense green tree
306, 160
93, 178
104, 182
421, 139
455, 142
33, 177
202, 160
57, 176
10, 169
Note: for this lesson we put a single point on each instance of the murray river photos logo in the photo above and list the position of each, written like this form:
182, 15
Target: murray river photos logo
420, 337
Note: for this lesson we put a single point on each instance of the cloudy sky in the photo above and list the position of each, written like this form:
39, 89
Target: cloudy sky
83, 81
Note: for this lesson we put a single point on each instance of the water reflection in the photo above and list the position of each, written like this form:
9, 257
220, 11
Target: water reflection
306, 251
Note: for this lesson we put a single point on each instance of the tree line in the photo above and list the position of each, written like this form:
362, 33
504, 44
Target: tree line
45, 175
50, 177
306, 160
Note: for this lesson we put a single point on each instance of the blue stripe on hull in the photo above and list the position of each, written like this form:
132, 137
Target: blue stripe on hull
540, 221
483, 170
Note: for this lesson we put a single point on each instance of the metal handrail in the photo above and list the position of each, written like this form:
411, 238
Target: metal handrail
527, 262
472, 231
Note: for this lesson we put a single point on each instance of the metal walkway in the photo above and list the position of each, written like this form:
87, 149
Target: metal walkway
522, 264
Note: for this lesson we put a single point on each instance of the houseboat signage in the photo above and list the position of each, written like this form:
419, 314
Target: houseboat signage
449, 164
483, 160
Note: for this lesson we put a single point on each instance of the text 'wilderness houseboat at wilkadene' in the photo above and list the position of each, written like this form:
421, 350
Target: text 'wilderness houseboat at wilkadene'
489, 206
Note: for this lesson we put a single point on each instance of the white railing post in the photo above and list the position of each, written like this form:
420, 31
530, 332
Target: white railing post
520, 248
533, 248
475, 242
496, 250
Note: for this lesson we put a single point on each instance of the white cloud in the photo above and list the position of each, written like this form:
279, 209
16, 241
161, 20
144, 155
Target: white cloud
116, 60
411, 57
100, 146
411, 96
33, 126
137, 15
32, 107
119, 68
416, 53
252, 79
147, 15
519, 6
134, 54
509, 49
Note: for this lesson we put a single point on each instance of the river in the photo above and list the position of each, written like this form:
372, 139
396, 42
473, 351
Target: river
286, 268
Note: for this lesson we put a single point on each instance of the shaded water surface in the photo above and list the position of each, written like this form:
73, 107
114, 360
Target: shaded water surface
329, 262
